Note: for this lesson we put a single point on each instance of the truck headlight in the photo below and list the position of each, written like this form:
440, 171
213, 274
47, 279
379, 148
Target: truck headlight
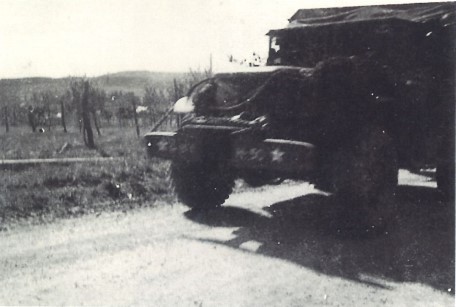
184, 106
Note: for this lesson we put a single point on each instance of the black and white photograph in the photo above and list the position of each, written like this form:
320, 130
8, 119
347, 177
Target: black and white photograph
227, 153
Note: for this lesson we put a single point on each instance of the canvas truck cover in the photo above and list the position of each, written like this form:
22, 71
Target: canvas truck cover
443, 12
313, 35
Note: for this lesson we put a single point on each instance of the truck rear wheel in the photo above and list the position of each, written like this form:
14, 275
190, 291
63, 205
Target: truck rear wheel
364, 181
202, 185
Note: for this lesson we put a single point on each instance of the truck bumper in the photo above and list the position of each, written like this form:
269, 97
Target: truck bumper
276, 155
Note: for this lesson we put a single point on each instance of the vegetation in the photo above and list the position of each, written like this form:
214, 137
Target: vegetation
47, 191
51, 118
58, 103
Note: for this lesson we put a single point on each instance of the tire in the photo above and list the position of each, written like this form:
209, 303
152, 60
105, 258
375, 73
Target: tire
202, 185
364, 181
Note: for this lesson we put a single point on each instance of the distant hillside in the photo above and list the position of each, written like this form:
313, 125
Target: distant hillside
24, 87
136, 81
129, 81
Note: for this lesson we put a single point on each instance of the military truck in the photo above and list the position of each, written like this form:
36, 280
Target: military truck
348, 96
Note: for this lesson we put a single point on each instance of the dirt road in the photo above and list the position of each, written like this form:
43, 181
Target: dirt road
265, 247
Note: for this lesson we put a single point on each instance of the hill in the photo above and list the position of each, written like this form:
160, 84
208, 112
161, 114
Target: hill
128, 81
136, 81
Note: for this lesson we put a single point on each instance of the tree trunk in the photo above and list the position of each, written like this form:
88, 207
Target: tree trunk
135, 116
62, 110
49, 118
14, 121
86, 126
31, 119
5, 110
119, 117
95, 121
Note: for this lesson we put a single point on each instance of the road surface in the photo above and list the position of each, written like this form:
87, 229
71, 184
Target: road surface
271, 246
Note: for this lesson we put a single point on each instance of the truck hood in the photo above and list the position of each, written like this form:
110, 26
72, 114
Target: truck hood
232, 92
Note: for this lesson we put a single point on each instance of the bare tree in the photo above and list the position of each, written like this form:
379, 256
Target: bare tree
76, 92
62, 112
97, 101
31, 118
87, 127
8, 98
5, 114
133, 100
150, 99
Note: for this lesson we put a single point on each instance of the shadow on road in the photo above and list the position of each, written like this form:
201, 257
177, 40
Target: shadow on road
419, 248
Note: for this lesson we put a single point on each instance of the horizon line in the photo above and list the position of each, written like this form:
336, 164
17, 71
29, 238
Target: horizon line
93, 76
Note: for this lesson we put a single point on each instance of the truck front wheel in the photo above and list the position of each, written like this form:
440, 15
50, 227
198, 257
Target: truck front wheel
364, 181
202, 185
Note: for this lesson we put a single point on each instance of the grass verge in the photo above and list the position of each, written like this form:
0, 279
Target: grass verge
42, 193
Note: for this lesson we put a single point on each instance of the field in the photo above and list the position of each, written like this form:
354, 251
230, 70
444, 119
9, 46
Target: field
44, 192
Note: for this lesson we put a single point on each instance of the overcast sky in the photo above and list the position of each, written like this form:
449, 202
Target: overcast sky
57, 38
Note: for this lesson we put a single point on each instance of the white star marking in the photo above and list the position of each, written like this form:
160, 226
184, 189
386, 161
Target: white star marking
277, 155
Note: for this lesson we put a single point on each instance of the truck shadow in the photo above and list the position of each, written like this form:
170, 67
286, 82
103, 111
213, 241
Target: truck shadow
419, 248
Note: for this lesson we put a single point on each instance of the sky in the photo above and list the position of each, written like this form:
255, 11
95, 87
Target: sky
58, 38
